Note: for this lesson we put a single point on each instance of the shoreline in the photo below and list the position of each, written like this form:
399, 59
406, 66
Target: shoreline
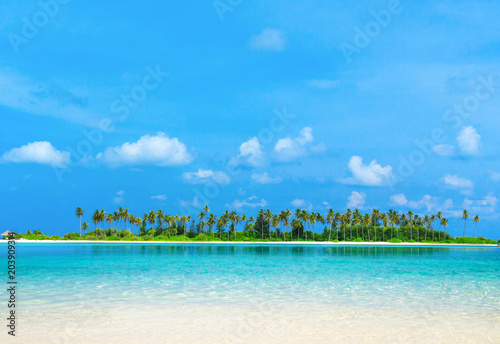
297, 243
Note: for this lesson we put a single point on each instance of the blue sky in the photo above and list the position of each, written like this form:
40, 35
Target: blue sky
283, 104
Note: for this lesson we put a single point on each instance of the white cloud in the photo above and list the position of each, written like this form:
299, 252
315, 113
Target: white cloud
301, 203
250, 153
269, 39
456, 182
495, 176
206, 176
264, 178
371, 175
40, 152
356, 200
427, 201
159, 197
485, 205
469, 140
298, 203
44, 99
288, 149
119, 197
248, 202
399, 199
323, 84
195, 203
444, 150
155, 150
466, 192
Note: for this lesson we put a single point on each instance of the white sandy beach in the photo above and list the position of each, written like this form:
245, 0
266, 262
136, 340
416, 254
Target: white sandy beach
257, 323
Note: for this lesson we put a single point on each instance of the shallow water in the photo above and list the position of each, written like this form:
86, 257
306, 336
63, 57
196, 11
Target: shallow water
189, 293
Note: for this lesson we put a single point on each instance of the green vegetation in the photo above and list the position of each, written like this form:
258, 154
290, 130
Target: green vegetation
470, 240
266, 226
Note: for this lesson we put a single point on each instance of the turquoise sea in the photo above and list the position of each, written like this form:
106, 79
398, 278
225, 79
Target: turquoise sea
219, 293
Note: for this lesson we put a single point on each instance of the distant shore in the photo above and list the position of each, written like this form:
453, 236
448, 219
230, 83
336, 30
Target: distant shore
343, 243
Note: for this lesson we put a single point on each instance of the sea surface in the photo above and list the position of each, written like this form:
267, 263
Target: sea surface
220, 293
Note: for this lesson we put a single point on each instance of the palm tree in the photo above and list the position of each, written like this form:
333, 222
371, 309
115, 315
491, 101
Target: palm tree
79, 213
233, 217
152, 221
220, 224
109, 220
343, 220
366, 222
439, 216
348, 215
465, 217
161, 216
282, 220
206, 209
375, 218
261, 215
410, 219
329, 219
320, 219
275, 220
176, 219
212, 220
298, 213
96, 218
125, 217
183, 221
336, 220
312, 220
224, 220
427, 224
201, 215
269, 215
305, 220
356, 220
445, 224
476, 220
85, 226
384, 219
120, 216
442, 223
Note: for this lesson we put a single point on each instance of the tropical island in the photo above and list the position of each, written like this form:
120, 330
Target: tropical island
285, 226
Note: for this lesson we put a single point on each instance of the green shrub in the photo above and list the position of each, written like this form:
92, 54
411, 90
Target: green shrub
56, 237
358, 240
135, 238
147, 237
182, 238
411, 240
470, 240
201, 237
396, 241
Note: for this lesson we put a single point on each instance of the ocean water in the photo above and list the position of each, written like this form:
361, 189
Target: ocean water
204, 293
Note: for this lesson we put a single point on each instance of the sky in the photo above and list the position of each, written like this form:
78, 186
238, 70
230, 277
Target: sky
244, 105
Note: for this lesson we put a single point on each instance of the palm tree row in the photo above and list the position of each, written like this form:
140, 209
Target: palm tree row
350, 225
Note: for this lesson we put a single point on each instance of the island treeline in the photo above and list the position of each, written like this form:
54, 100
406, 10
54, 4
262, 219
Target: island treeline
299, 225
